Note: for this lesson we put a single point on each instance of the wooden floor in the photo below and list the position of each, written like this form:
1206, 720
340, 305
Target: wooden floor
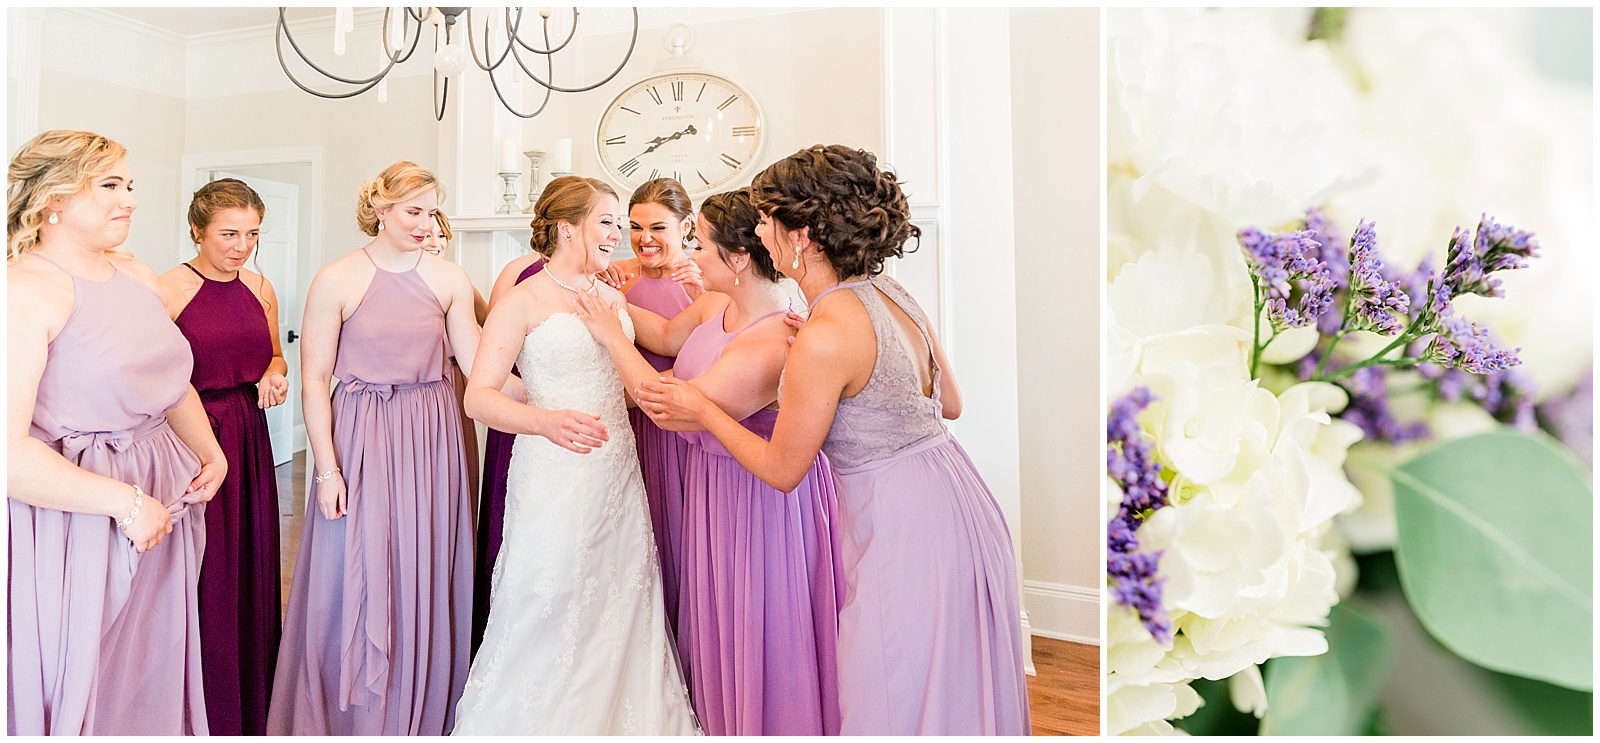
1064, 697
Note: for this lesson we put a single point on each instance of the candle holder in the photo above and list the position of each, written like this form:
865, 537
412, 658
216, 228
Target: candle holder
534, 156
554, 174
510, 196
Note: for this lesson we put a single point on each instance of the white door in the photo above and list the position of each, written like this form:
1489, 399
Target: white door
275, 259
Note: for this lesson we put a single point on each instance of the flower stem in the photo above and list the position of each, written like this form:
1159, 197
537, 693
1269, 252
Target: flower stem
1255, 322
1329, 353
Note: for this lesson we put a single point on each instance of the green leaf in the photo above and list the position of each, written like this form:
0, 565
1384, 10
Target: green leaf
1333, 693
1217, 715
1495, 554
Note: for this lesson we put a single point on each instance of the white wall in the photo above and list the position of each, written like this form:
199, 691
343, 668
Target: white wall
1056, 142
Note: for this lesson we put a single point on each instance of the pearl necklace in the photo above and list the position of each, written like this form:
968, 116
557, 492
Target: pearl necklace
563, 284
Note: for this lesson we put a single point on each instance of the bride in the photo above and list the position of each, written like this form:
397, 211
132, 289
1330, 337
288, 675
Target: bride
577, 640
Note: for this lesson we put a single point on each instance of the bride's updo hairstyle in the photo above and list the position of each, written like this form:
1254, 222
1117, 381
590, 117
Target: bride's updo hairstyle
568, 199
732, 219
398, 182
59, 163
857, 213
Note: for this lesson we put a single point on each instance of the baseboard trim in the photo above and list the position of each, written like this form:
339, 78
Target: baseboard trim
1062, 612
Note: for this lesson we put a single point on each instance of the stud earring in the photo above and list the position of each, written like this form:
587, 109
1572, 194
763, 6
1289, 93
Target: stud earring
54, 218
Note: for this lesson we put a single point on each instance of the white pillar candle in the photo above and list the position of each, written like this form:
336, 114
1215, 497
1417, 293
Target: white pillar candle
561, 157
343, 22
510, 156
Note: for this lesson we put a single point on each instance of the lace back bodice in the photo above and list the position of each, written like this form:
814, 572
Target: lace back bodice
890, 413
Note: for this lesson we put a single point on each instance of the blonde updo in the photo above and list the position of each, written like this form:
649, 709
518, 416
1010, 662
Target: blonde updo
398, 182
568, 199
58, 164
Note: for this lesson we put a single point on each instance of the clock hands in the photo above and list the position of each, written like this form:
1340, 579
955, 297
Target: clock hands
658, 141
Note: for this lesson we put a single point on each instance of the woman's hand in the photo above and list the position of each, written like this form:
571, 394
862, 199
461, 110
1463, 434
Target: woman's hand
673, 401
687, 273
209, 479
575, 431
272, 391
600, 318
794, 320
332, 498
614, 276
152, 525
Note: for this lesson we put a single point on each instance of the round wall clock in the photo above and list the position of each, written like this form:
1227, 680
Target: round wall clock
700, 129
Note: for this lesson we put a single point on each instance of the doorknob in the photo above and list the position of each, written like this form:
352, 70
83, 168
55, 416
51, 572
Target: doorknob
292, 336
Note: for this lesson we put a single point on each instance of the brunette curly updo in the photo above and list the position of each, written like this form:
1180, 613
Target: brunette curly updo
395, 184
857, 213
732, 218
668, 193
568, 199
220, 194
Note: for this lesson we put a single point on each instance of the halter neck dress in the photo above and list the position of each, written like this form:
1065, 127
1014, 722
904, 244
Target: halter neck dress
762, 583
240, 582
492, 507
375, 639
661, 452
930, 636
103, 640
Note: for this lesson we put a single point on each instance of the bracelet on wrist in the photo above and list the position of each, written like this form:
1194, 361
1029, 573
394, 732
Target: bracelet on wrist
326, 476
138, 499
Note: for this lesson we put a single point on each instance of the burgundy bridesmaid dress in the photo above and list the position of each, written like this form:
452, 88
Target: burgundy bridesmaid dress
102, 640
240, 584
375, 641
762, 583
492, 508
661, 452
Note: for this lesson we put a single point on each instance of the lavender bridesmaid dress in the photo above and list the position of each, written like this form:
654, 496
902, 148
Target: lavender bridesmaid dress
102, 640
930, 636
661, 452
375, 639
492, 508
239, 581
762, 583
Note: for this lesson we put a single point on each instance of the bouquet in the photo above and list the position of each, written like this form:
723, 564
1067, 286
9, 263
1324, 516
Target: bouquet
1316, 441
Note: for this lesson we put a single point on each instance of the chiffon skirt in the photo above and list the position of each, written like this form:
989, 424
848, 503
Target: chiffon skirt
102, 640
240, 584
661, 456
760, 599
375, 640
930, 634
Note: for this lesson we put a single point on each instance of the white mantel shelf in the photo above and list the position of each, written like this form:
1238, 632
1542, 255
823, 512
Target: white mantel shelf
491, 223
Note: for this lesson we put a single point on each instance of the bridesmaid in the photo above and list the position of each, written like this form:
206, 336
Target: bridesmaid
930, 637
375, 636
436, 244
660, 219
496, 465
110, 461
759, 604
229, 314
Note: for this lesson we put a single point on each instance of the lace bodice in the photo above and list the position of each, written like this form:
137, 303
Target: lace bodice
890, 413
565, 368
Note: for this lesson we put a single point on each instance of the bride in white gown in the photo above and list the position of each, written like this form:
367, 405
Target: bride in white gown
577, 638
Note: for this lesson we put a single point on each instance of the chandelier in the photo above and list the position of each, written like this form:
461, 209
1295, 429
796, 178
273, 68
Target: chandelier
449, 59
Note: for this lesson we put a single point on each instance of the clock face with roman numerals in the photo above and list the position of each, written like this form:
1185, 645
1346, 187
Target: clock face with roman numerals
698, 128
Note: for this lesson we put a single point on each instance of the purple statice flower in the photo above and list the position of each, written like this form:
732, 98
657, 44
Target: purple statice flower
1464, 345
1132, 575
1369, 408
1376, 304
1334, 256
1571, 418
1495, 247
1278, 260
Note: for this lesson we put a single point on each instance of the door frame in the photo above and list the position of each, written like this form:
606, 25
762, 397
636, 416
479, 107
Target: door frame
195, 165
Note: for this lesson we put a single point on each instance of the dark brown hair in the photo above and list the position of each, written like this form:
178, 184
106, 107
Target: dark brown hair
732, 218
858, 215
668, 193
220, 194
568, 199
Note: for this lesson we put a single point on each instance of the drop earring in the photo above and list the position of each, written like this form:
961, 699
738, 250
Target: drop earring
380, 226
796, 263
54, 218
736, 279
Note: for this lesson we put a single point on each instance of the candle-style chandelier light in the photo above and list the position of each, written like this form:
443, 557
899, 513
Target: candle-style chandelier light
402, 29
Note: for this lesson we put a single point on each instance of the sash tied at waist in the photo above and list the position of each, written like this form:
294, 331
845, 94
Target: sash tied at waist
94, 451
